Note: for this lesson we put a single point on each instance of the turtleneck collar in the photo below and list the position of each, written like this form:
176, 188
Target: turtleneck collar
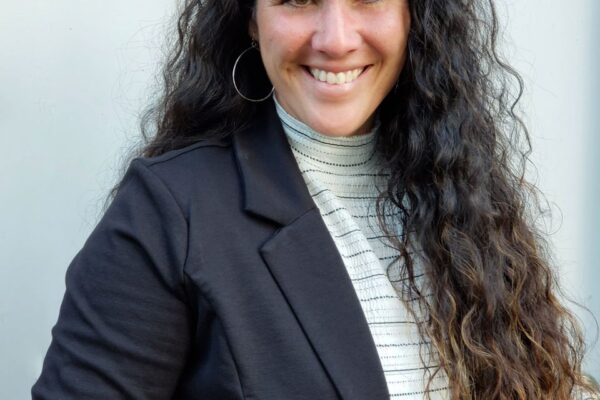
329, 152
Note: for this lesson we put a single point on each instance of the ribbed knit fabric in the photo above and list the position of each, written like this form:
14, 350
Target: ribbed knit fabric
342, 175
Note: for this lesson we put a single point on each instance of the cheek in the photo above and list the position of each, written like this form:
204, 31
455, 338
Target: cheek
285, 36
390, 36
282, 48
391, 23
276, 59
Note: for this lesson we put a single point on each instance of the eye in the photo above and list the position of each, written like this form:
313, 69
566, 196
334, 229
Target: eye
297, 3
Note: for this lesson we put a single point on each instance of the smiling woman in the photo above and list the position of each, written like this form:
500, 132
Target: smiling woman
332, 62
361, 229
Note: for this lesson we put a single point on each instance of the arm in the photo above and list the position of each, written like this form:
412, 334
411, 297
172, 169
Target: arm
123, 331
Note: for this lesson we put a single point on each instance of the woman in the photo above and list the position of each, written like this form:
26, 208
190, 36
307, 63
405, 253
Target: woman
344, 218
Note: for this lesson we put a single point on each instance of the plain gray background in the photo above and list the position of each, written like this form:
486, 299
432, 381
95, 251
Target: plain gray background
74, 76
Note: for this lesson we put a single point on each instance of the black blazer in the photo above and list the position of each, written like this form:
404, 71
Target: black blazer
212, 277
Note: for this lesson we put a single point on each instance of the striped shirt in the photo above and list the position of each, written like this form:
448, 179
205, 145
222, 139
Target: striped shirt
344, 179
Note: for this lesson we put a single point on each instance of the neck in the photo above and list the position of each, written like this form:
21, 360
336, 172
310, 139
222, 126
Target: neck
332, 154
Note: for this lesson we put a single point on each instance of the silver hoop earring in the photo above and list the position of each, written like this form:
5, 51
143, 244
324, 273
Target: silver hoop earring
254, 45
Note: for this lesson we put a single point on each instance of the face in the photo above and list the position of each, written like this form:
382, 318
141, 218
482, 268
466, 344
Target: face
332, 62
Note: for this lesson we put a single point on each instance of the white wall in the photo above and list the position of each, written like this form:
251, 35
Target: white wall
75, 74
554, 44
72, 80
591, 229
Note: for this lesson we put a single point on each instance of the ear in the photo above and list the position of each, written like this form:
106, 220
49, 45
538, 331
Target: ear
253, 26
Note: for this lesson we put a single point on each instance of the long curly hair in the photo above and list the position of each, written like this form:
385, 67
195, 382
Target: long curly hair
457, 153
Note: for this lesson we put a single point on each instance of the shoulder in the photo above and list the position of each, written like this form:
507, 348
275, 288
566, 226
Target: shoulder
205, 168
189, 160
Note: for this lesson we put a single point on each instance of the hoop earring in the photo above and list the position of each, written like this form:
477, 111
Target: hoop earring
254, 45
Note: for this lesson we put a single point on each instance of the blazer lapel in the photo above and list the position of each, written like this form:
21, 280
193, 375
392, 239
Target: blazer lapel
304, 261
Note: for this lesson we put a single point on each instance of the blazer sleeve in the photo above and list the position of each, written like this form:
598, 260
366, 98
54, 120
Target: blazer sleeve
123, 330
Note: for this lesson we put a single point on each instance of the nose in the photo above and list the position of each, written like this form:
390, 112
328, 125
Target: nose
337, 30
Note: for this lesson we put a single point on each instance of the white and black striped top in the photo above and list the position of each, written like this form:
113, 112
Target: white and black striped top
342, 176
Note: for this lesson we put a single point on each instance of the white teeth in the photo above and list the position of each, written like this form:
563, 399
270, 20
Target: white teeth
322, 76
336, 78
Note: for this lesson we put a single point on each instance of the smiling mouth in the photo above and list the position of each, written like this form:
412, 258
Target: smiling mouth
336, 78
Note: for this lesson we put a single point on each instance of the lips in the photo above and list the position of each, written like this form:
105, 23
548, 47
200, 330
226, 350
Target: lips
336, 78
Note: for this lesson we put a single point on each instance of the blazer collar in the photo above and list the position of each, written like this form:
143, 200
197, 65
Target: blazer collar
304, 261
272, 184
